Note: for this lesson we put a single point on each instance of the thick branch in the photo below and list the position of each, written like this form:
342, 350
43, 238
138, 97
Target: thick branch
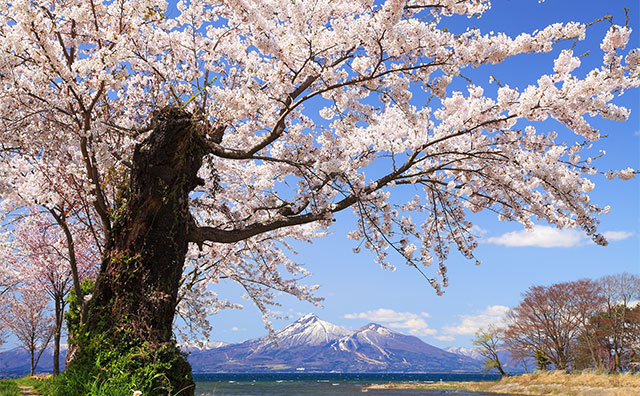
199, 235
62, 222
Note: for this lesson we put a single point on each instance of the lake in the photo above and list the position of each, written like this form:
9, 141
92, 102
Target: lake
333, 384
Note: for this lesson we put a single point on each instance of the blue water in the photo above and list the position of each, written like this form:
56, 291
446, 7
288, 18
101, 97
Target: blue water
312, 384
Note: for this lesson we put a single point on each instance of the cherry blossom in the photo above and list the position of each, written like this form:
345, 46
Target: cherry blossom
28, 318
307, 109
36, 254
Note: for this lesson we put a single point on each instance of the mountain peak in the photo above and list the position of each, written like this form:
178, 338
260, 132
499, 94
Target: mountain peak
375, 328
308, 318
309, 330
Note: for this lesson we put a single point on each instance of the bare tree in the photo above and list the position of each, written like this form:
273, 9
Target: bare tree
615, 329
550, 318
621, 289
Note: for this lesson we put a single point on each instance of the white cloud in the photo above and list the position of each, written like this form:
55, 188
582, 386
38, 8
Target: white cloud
541, 236
469, 324
445, 338
413, 323
613, 236
384, 315
478, 231
417, 327
550, 237
234, 328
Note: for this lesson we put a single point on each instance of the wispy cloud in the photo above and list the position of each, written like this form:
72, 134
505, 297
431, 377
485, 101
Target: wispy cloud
469, 324
385, 315
614, 236
412, 322
445, 338
550, 237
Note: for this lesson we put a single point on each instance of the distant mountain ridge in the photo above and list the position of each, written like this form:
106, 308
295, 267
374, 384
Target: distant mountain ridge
201, 345
308, 344
509, 364
16, 362
313, 345
470, 352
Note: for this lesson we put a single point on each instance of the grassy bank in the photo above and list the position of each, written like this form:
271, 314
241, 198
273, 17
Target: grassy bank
542, 384
9, 386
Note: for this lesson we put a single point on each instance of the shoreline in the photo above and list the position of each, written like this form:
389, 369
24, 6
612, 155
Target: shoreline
539, 384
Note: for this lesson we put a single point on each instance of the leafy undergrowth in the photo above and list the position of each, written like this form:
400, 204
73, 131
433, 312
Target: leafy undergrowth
548, 383
80, 383
85, 385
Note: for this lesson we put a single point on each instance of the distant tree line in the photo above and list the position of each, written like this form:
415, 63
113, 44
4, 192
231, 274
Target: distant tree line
585, 324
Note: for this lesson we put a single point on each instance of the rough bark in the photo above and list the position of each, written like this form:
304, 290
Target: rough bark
136, 291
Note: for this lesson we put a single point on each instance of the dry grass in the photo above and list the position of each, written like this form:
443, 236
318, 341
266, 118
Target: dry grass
547, 383
581, 379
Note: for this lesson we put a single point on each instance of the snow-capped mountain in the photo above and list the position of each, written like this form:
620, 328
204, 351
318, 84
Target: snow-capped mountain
267, 353
470, 352
376, 348
202, 345
309, 330
314, 345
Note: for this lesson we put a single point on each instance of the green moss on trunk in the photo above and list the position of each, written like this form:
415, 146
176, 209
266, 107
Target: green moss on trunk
127, 329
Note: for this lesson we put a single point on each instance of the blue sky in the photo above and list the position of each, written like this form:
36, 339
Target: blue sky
358, 291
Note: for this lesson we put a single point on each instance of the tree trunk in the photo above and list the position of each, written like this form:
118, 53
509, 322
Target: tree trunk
32, 352
135, 294
498, 364
59, 303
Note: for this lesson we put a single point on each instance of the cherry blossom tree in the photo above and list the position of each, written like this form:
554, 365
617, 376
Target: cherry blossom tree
29, 319
194, 148
8, 283
40, 261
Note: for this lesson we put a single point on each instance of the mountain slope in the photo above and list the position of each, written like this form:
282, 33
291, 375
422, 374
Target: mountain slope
374, 348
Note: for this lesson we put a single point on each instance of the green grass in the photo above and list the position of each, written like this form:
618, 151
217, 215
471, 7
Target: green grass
43, 386
9, 387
